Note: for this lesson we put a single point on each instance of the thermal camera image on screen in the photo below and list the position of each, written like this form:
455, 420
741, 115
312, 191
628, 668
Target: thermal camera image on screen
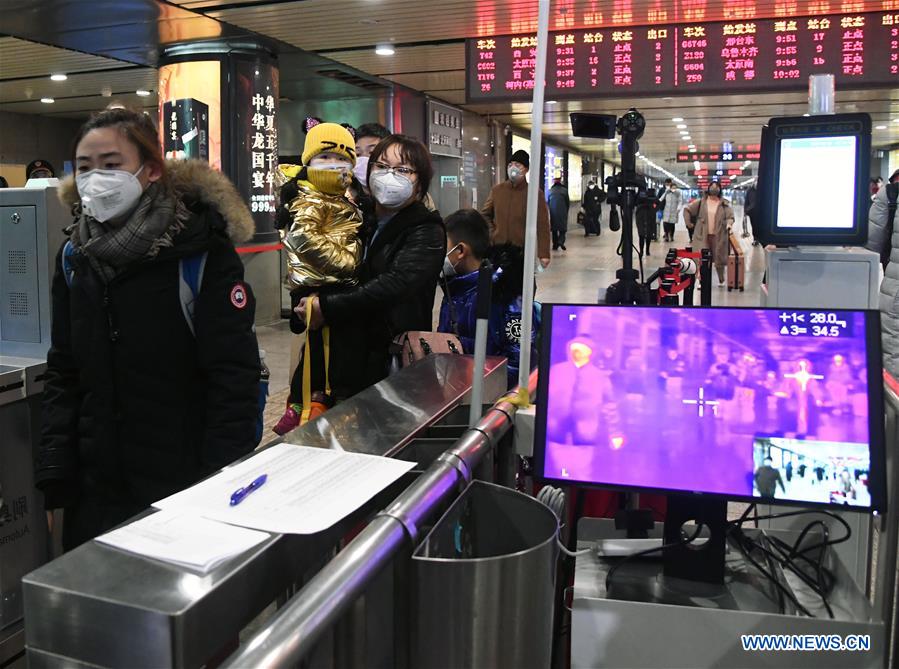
835, 156
739, 402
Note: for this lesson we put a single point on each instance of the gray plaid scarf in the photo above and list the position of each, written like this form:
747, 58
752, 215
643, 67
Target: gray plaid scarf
159, 215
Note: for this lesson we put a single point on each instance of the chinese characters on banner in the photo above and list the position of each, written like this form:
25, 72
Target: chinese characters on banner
744, 55
255, 136
263, 152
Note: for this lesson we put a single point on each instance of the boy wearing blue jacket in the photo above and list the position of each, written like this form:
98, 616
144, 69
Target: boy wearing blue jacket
468, 242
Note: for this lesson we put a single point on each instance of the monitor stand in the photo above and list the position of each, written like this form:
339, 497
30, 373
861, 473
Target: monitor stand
702, 561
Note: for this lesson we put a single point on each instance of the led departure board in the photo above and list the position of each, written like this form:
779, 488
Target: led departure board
718, 156
706, 172
749, 55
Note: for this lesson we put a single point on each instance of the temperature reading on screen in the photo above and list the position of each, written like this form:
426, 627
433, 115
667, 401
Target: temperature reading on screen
813, 324
711, 401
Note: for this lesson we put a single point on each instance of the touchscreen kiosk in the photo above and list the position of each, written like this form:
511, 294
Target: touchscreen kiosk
830, 154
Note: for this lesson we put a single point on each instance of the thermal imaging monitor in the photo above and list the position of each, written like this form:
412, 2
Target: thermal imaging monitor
763, 405
835, 147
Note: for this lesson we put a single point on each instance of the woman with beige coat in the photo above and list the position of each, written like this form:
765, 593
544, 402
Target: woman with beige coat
711, 219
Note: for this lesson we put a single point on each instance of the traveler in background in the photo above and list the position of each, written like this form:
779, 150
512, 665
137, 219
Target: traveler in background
559, 204
402, 263
876, 185
468, 242
145, 392
767, 478
39, 169
670, 202
883, 238
506, 209
591, 204
712, 219
645, 220
750, 207
367, 137
4, 183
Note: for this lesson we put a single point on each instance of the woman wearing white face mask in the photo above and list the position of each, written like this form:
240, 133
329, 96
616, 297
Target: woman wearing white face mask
153, 371
403, 259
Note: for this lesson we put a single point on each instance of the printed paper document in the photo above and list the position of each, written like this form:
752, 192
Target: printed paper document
184, 540
308, 489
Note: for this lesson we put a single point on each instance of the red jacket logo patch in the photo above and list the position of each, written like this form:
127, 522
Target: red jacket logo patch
239, 296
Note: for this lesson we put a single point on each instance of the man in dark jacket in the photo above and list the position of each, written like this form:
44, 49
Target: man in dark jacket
559, 204
750, 205
468, 239
591, 203
143, 398
767, 478
645, 222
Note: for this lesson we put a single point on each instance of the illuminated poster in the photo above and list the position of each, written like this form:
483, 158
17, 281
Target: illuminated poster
255, 133
575, 177
190, 117
860, 49
553, 165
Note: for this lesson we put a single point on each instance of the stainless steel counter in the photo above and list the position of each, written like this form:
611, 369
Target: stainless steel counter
23, 535
101, 606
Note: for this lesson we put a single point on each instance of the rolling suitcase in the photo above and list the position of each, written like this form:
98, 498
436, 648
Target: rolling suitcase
736, 265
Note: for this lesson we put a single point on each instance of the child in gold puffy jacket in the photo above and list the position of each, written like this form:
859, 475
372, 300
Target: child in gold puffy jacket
323, 249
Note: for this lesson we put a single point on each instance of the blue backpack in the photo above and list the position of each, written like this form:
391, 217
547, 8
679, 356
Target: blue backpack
190, 278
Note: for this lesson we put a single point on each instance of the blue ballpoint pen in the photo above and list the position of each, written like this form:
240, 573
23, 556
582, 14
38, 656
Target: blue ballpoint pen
240, 494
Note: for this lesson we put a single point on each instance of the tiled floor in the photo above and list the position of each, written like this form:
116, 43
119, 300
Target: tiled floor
579, 274
588, 267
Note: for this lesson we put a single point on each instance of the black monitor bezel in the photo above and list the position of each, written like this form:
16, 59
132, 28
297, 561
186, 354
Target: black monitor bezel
831, 125
876, 429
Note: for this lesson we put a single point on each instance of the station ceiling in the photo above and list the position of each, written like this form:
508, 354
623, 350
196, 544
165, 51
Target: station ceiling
428, 38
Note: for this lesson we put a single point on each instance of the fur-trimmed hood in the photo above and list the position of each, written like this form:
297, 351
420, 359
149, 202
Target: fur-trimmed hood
194, 181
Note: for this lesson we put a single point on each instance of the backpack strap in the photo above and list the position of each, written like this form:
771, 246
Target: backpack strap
190, 279
65, 261
892, 197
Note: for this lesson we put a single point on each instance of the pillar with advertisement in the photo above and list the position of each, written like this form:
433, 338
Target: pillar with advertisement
218, 102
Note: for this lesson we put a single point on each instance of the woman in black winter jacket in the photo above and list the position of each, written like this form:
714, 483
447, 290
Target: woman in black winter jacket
153, 371
403, 259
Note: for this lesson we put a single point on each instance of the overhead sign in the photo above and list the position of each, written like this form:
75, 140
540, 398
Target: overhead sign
444, 130
724, 57
706, 172
717, 156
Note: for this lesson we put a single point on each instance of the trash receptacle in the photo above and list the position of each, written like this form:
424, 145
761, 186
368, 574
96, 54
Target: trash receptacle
483, 583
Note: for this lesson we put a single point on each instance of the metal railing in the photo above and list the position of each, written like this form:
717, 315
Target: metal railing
294, 630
